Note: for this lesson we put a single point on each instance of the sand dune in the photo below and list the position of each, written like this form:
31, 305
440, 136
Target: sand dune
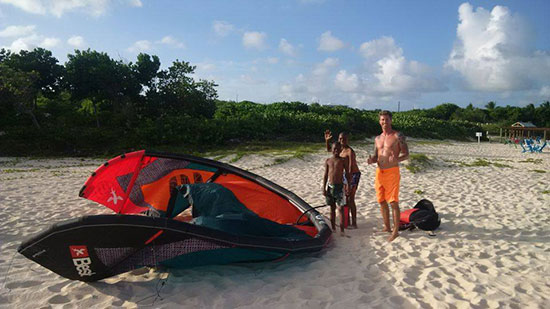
492, 250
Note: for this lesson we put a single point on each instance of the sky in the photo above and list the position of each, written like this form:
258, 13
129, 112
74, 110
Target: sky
363, 54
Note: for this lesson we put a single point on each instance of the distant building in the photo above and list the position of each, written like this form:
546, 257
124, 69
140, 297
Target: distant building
522, 124
520, 130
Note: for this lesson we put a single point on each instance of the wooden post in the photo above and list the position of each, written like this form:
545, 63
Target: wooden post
500, 135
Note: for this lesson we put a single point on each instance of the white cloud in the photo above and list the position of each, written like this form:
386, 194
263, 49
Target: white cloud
17, 31
324, 67
32, 41
329, 43
272, 60
388, 72
76, 41
222, 28
250, 80
146, 45
136, 3
495, 51
49, 42
140, 46
255, 40
384, 76
346, 82
380, 48
545, 92
286, 48
206, 66
60, 7
26, 43
31, 6
169, 40
95, 8
313, 86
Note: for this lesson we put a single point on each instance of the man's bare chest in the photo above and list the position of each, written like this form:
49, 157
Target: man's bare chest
337, 163
387, 142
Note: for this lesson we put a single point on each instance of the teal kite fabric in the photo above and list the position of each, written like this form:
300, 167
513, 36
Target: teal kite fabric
216, 207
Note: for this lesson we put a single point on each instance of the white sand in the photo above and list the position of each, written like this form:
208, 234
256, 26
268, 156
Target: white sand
492, 250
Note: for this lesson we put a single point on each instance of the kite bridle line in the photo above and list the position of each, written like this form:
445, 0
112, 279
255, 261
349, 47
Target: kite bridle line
132, 181
300, 217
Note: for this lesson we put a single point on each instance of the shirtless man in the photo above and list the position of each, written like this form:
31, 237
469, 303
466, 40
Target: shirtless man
354, 174
335, 169
390, 148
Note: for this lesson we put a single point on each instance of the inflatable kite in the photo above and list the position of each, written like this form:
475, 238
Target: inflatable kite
177, 211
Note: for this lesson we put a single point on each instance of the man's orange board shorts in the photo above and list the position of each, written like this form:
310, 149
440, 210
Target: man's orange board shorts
386, 184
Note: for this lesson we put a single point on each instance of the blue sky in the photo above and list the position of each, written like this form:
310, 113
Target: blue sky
365, 54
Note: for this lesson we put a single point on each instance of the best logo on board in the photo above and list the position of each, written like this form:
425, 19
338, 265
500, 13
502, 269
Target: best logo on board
81, 260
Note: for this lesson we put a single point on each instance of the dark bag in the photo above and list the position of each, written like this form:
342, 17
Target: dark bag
423, 216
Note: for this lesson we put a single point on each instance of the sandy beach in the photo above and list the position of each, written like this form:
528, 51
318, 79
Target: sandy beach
491, 251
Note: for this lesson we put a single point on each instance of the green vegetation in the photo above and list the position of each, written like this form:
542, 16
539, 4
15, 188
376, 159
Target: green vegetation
12, 162
539, 171
417, 162
283, 151
237, 157
501, 165
460, 163
479, 162
429, 142
14, 170
94, 105
531, 160
546, 192
419, 192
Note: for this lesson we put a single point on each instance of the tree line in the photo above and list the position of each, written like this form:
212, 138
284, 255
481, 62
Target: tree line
94, 104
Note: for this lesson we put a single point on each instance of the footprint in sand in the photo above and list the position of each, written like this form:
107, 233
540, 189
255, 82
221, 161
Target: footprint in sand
58, 300
397, 300
483, 268
24, 284
56, 288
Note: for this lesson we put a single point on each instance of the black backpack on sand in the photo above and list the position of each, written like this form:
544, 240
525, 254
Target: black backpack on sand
423, 216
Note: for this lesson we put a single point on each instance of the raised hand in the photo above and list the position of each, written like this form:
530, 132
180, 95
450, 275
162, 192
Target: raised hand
328, 135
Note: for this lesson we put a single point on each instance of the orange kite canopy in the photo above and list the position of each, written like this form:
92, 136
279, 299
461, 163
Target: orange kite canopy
140, 181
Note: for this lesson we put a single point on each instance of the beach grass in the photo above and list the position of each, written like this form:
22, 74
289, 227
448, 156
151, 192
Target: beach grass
429, 142
284, 151
16, 170
460, 163
531, 160
11, 162
479, 162
496, 164
418, 162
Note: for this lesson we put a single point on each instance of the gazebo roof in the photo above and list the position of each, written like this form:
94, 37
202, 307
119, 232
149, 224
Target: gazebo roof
524, 124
